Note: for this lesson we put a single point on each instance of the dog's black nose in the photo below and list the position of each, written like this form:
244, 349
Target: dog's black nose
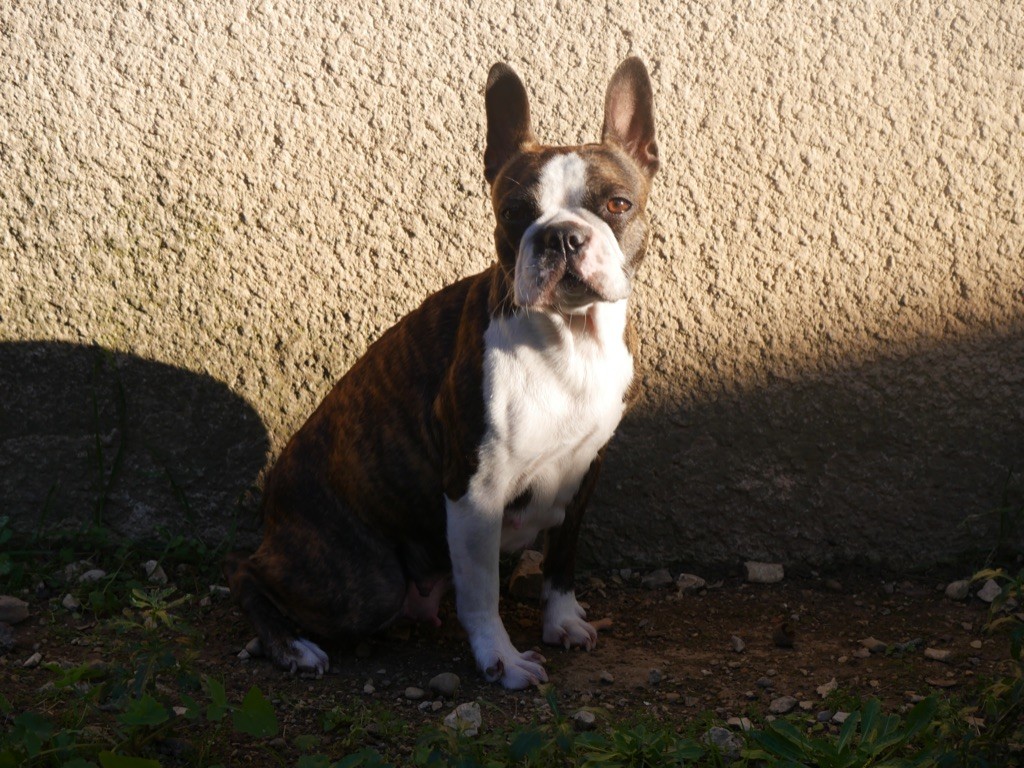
565, 239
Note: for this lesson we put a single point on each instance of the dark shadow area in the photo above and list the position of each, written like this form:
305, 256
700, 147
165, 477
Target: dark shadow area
93, 436
900, 462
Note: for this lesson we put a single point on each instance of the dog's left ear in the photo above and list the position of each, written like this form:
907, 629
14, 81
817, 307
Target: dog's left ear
508, 118
629, 114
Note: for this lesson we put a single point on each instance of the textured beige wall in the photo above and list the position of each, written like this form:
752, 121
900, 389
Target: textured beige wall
238, 197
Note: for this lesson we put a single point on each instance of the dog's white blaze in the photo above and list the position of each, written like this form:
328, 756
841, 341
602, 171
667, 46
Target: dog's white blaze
553, 396
310, 656
561, 192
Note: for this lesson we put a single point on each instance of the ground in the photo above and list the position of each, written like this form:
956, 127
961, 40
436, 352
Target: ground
668, 656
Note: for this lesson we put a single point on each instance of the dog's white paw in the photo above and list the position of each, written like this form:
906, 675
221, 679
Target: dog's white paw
565, 623
516, 670
307, 657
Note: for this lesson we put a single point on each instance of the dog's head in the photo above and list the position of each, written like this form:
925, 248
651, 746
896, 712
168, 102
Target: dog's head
571, 221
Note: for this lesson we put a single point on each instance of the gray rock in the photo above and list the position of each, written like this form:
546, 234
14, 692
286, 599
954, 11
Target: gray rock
12, 610
825, 689
584, 720
958, 590
368, 688
729, 744
413, 693
154, 572
873, 645
743, 723
32, 661
824, 716
989, 591
465, 719
606, 677
654, 677
840, 717
658, 579
446, 684
91, 576
936, 654
764, 573
737, 644
527, 579
782, 705
688, 582
71, 602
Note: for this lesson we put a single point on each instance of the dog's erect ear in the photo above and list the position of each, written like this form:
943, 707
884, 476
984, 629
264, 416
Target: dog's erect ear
629, 114
508, 118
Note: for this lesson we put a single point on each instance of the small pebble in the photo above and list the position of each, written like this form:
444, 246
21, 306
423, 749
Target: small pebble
737, 644
584, 720
658, 579
32, 661
976, 644
825, 689
154, 572
414, 694
654, 677
833, 585
743, 723
765, 683
728, 743
92, 576
782, 705
606, 677
872, 645
12, 609
807, 705
989, 591
958, 590
70, 602
688, 582
764, 573
465, 718
936, 654
368, 688
446, 683
840, 717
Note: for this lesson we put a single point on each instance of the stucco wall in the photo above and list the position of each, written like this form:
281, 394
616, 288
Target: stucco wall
236, 198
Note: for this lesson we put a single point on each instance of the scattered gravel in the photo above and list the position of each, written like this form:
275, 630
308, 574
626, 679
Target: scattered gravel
12, 610
764, 573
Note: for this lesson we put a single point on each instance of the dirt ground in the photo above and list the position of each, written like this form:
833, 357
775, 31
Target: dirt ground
668, 656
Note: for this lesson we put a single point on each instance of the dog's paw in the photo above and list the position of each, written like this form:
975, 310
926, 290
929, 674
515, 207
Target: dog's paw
565, 623
516, 670
301, 657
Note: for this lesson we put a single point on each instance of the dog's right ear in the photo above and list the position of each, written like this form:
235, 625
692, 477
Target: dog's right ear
508, 118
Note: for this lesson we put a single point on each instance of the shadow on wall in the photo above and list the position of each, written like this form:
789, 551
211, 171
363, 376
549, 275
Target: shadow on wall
897, 462
90, 435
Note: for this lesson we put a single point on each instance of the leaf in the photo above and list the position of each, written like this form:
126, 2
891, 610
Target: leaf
846, 733
145, 711
218, 700
5, 705
192, 708
869, 720
110, 760
525, 744
256, 717
777, 744
313, 761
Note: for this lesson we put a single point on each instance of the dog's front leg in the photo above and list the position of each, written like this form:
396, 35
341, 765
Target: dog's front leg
474, 539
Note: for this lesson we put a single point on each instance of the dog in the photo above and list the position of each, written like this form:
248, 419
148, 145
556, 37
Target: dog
476, 422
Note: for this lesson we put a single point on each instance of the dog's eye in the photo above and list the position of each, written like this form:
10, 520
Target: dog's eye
618, 205
516, 211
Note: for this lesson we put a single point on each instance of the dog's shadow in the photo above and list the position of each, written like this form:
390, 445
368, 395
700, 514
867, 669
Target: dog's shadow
91, 436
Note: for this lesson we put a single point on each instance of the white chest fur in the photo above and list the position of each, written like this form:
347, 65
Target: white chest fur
554, 390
